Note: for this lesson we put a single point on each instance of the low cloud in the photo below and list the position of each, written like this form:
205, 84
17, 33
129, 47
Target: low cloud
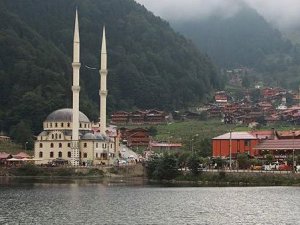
283, 13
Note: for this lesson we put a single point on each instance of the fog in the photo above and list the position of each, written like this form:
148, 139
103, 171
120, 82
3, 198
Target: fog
282, 13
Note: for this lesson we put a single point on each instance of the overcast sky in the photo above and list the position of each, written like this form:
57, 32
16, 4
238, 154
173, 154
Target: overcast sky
283, 13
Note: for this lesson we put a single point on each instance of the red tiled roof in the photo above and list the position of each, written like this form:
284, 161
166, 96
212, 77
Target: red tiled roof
4, 155
286, 144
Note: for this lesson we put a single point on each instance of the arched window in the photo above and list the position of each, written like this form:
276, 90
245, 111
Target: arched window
59, 154
111, 145
80, 125
62, 124
69, 145
84, 155
84, 145
85, 125
52, 136
69, 154
51, 154
55, 124
56, 136
41, 154
96, 145
59, 136
68, 124
51, 145
60, 145
50, 124
41, 145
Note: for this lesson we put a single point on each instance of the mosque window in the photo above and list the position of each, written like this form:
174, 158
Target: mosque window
69, 154
59, 136
60, 145
85, 125
69, 145
96, 145
50, 124
41, 145
59, 154
84, 145
51, 145
80, 125
85, 155
68, 124
103, 145
41, 154
111, 145
51, 154
62, 124
55, 136
52, 136
55, 124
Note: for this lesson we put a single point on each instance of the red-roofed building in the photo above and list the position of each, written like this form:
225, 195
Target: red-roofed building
164, 146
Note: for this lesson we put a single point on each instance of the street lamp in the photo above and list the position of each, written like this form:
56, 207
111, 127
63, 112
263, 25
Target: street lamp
26, 145
230, 149
293, 169
192, 142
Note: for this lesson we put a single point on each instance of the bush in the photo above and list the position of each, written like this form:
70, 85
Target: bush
29, 170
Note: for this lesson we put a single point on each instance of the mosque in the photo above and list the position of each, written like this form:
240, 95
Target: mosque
68, 134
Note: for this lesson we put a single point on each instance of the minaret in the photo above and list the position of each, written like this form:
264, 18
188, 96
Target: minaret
75, 90
103, 90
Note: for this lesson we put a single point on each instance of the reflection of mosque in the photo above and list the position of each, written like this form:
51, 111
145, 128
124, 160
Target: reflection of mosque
68, 133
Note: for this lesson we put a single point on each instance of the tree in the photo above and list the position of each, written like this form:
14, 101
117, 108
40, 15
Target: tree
243, 161
194, 164
21, 133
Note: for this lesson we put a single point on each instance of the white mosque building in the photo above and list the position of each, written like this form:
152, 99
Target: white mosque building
68, 134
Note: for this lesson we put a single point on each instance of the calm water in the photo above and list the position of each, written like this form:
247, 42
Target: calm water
85, 202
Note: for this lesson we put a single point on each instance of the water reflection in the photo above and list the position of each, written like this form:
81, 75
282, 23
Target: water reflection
105, 202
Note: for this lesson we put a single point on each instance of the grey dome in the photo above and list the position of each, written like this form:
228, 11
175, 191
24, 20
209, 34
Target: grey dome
88, 136
65, 115
43, 133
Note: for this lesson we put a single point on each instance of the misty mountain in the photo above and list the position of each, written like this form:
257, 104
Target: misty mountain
243, 39
150, 65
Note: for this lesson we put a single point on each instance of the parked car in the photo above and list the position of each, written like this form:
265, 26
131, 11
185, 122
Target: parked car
284, 167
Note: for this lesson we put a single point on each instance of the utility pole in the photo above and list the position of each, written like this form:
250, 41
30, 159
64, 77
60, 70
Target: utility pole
230, 149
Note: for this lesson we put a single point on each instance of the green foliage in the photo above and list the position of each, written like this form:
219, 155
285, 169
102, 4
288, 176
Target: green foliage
150, 65
269, 158
28, 169
194, 165
243, 161
21, 133
163, 168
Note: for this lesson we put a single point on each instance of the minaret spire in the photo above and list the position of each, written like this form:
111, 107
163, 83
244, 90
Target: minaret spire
103, 89
75, 89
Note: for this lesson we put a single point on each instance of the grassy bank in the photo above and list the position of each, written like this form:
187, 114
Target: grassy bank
223, 178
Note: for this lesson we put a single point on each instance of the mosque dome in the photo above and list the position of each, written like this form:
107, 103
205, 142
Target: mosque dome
88, 136
65, 115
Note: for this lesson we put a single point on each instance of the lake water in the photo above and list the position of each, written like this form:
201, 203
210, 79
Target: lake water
86, 202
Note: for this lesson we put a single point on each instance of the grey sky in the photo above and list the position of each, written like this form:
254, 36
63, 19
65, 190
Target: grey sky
283, 13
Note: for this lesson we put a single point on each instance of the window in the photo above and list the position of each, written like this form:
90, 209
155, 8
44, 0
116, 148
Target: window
52, 136
41, 154
59, 154
69, 154
84, 145
84, 155
59, 136
247, 143
50, 124
51, 145
80, 125
55, 136
60, 145
62, 124
41, 145
96, 145
69, 145
51, 154
85, 125
111, 145
68, 124
55, 124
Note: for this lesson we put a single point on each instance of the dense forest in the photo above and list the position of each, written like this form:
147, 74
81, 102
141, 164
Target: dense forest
150, 65
246, 39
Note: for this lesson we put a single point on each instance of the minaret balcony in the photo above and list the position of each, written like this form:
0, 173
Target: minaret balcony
76, 88
104, 93
76, 64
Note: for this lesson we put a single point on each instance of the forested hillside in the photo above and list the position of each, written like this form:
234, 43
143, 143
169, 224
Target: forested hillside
244, 39
150, 65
